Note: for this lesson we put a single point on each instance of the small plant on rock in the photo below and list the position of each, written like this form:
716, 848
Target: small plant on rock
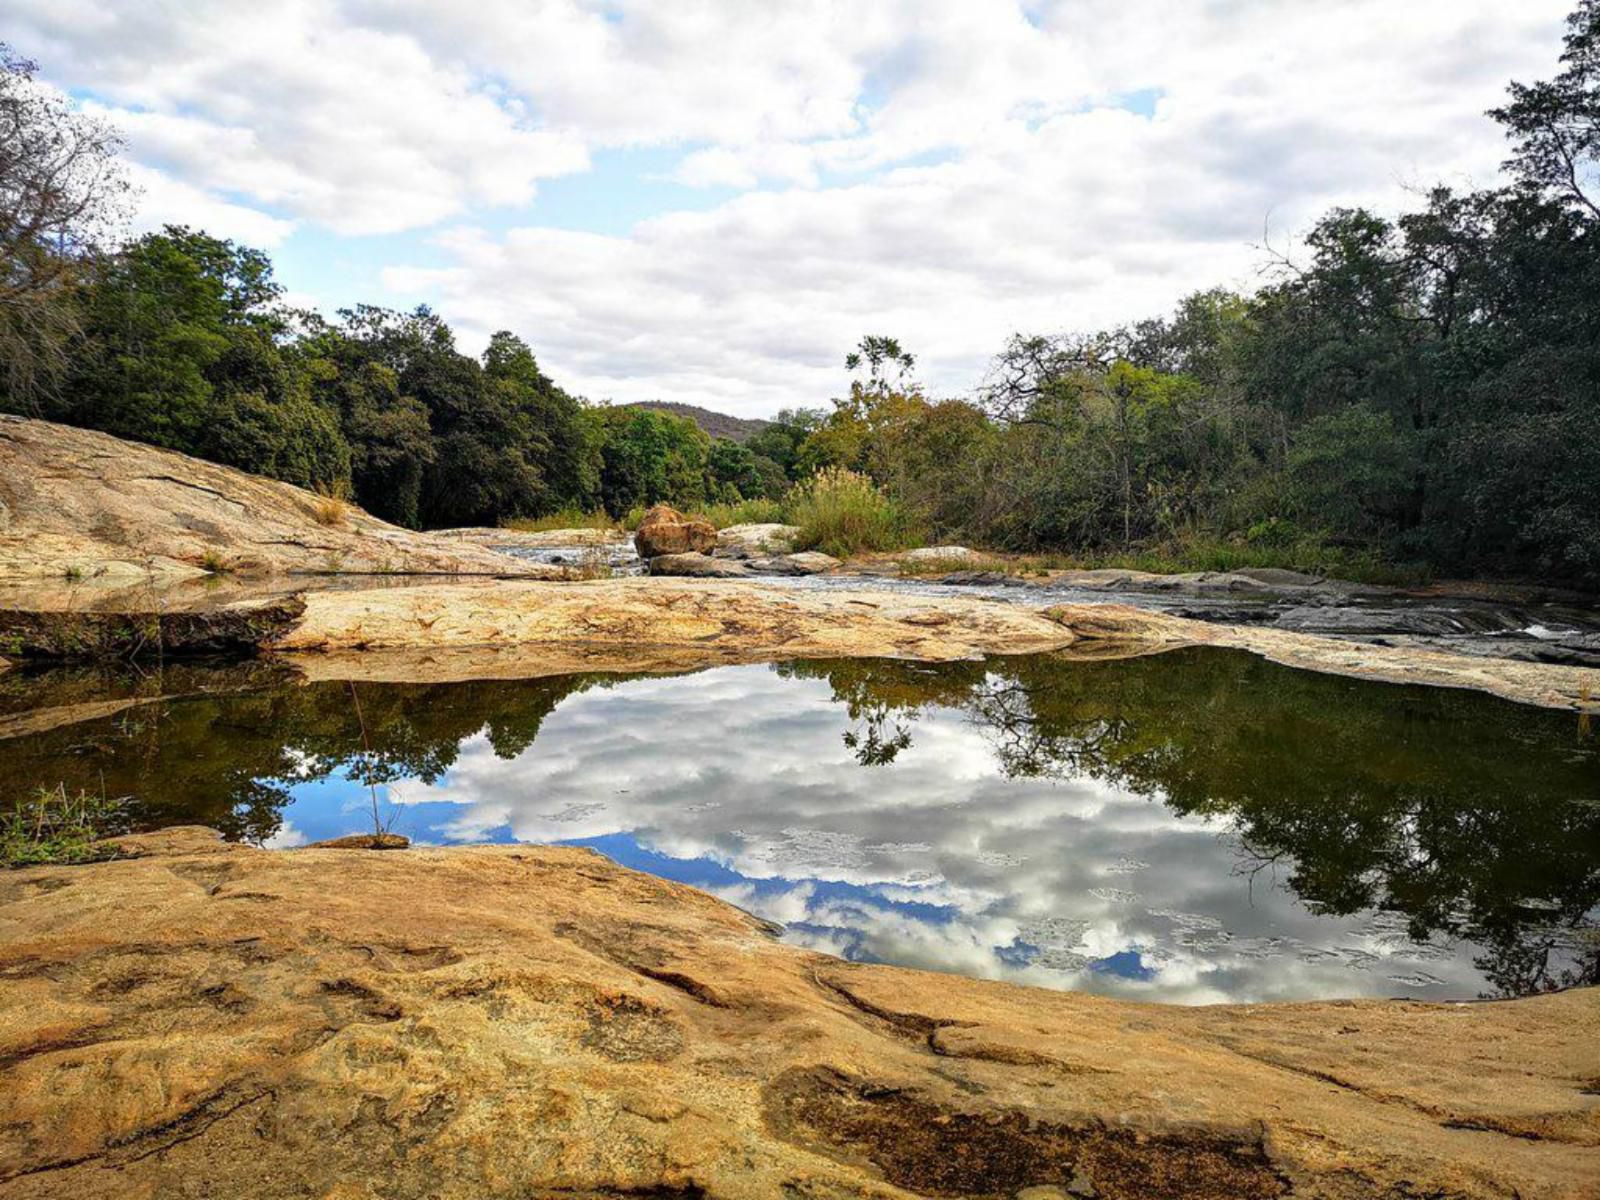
54, 827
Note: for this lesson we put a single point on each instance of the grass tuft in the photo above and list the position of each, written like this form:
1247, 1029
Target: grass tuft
329, 510
52, 827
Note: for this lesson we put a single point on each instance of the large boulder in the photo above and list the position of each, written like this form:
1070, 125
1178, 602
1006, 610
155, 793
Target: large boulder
665, 530
100, 512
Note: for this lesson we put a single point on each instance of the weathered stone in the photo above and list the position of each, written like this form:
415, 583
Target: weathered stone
98, 511
808, 562
752, 541
204, 1019
942, 554
239, 628
982, 579
518, 539
696, 565
665, 530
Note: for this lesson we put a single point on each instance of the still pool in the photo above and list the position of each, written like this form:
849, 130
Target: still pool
1195, 826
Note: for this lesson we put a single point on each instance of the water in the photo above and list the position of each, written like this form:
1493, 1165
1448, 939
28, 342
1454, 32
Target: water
1198, 826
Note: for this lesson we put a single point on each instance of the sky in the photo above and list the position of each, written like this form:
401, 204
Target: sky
710, 201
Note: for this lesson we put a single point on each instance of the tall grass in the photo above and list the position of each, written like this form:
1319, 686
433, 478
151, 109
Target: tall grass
566, 518
842, 513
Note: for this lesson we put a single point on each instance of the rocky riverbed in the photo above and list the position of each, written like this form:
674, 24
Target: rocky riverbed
209, 1019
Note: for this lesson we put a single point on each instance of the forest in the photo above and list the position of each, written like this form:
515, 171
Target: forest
1417, 390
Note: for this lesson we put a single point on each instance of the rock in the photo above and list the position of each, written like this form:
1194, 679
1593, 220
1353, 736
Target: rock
100, 511
809, 562
206, 1019
1278, 577
753, 541
517, 539
239, 629
696, 565
942, 554
982, 579
665, 530
1416, 622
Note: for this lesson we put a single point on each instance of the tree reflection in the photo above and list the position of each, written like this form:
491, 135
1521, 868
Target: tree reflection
229, 758
1467, 816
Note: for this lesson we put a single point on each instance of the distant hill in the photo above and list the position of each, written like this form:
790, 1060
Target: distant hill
738, 429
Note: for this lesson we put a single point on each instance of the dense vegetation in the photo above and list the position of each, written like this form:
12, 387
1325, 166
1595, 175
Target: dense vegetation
1421, 389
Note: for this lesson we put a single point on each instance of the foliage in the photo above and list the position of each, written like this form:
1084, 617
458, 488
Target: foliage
841, 513
52, 826
744, 512
648, 457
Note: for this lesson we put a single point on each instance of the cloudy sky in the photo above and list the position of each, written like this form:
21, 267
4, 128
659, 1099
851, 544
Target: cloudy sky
710, 200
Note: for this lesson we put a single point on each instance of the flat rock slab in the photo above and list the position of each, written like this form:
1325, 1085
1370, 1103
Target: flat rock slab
746, 620
201, 1019
697, 565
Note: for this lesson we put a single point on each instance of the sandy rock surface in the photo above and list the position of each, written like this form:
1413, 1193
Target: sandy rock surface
91, 508
518, 539
942, 554
212, 1020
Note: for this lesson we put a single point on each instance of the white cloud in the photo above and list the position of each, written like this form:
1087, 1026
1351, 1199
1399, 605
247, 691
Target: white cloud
945, 171
169, 201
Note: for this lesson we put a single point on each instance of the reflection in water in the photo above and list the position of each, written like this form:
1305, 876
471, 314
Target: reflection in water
1197, 826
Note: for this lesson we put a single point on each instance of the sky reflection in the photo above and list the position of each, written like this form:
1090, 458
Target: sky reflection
741, 781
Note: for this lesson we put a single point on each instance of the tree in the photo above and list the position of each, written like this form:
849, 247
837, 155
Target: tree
647, 457
1556, 123
62, 196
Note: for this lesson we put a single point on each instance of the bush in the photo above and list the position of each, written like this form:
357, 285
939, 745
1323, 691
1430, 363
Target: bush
842, 513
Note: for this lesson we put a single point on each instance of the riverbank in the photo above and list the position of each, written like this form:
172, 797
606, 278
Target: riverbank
433, 632
208, 1018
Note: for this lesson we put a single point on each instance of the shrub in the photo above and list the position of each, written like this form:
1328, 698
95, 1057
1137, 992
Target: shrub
843, 513
53, 827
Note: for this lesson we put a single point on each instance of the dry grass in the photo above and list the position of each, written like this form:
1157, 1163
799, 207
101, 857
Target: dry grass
330, 510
